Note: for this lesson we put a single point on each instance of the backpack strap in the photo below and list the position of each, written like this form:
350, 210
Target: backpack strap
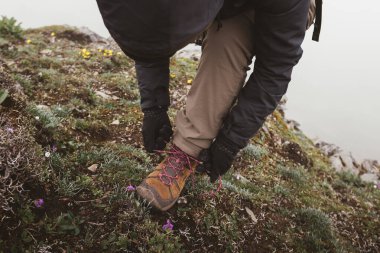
318, 20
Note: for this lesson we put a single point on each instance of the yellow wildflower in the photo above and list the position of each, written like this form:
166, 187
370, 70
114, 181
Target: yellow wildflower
52, 34
189, 81
86, 54
107, 52
172, 75
28, 41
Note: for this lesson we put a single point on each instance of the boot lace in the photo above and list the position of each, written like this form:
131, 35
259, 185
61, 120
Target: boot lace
175, 165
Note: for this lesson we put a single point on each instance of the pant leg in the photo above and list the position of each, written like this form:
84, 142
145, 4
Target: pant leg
153, 80
227, 53
279, 33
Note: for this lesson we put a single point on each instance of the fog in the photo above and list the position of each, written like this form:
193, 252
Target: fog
335, 89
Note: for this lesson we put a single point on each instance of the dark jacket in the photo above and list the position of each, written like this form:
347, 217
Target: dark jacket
148, 30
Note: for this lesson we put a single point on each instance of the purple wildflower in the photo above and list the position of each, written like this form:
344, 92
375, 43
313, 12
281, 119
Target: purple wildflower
54, 148
39, 203
168, 226
10, 130
131, 188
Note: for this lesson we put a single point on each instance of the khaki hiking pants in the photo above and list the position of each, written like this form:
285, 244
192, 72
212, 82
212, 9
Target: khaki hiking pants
227, 53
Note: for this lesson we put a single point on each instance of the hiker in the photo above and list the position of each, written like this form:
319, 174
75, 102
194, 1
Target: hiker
221, 113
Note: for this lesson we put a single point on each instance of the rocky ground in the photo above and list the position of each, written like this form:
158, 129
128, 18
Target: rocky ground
71, 155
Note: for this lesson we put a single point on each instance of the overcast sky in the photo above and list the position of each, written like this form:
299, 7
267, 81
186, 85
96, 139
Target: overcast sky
335, 89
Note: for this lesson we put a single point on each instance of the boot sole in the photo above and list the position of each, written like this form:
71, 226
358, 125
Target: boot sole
149, 195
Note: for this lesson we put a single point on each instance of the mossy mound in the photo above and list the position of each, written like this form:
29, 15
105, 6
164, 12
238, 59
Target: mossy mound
76, 125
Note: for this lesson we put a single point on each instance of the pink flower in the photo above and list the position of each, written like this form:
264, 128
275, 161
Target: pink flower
39, 203
168, 226
131, 188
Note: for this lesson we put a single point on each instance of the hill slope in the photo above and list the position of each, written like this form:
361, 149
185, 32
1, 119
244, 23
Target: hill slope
70, 146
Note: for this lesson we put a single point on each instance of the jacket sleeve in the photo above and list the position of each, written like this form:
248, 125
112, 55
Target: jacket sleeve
279, 32
153, 81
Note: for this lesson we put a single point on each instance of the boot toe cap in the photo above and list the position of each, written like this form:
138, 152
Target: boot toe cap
153, 198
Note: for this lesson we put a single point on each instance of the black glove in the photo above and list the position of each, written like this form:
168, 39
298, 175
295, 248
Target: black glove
217, 160
156, 128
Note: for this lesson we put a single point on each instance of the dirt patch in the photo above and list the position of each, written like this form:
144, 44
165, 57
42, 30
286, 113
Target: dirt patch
294, 152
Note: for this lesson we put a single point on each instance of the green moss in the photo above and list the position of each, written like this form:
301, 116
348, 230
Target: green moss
9, 27
51, 78
254, 152
351, 179
25, 81
317, 232
44, 116
295, 175
68, 186
282, 191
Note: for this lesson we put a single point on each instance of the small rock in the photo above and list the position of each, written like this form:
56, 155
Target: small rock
356, 163
190, 52
346, 159
43, 107
336, 163
251, 214
277, 141
105, 95
52, 40
327, 148
293, 125
369, 178
182, 200
241, 178
91, 36
46, 52
348, 163
369, 166
93, 168
115, 122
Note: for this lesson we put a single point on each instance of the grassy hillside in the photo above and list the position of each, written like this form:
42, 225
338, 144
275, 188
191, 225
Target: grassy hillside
70, 150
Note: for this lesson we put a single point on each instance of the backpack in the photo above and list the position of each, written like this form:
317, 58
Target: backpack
315, 17
234, 7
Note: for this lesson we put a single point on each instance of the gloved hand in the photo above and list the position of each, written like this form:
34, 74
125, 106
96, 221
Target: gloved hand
156, 128
217, 160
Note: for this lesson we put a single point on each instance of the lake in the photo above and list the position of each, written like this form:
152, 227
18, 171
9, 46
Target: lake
334, 93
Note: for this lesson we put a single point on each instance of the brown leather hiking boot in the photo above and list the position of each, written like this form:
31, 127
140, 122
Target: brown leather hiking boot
163, 186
